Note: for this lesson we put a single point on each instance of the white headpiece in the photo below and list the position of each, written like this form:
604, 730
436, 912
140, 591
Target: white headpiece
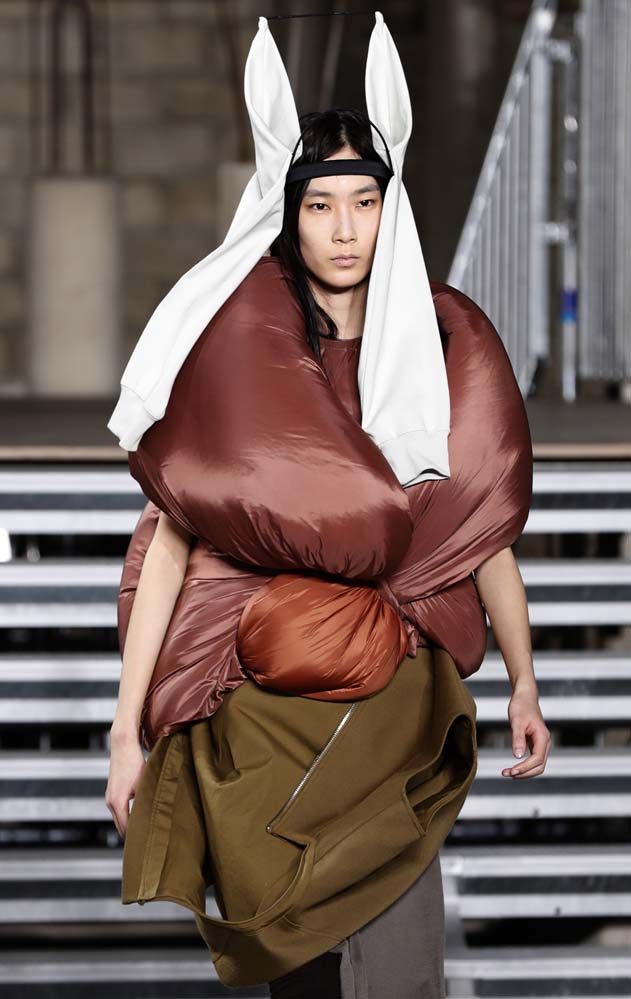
402, 378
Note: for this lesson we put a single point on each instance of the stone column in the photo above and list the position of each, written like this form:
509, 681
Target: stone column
73, 273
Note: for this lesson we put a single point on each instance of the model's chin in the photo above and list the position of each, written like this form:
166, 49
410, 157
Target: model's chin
334, 276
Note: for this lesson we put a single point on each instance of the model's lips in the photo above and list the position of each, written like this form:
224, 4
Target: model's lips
344, 261
349, 256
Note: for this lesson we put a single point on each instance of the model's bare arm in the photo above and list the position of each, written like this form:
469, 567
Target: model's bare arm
159, 585
503, 594
158, 588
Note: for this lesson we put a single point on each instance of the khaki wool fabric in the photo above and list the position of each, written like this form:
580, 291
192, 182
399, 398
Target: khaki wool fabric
350, 830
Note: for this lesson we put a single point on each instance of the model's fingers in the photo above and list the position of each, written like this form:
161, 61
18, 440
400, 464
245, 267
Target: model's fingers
518, 726
539, 737
115, 820
120, 813
519, 739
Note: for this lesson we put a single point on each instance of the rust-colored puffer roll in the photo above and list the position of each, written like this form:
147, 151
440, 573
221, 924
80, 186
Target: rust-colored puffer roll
300, 521
309, 636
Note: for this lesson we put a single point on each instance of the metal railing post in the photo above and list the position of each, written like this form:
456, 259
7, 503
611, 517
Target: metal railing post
501, 259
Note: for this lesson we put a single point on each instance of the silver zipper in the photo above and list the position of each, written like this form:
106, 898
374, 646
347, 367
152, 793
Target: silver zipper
317, 759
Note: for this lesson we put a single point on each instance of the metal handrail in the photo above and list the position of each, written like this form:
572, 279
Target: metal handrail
501, 256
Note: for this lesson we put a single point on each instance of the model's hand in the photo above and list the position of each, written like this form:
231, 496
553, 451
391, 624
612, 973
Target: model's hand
126, 764
529, 728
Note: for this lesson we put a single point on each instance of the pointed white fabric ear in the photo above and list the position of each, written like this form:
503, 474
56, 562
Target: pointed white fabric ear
273, 118
387, 95
402, 375
271, 107
192, 302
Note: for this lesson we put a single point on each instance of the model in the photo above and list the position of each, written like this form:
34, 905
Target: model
337, 460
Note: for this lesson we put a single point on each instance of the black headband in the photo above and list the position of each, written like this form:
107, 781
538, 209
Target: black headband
329, 168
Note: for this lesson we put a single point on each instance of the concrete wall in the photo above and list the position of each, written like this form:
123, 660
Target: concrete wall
174, 117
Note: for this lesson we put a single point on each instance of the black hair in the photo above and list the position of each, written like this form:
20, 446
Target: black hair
325, 133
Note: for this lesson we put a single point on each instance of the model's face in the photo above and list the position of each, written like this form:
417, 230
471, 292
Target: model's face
339, 216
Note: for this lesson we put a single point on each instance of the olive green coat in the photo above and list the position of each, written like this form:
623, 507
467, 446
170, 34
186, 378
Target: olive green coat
309, 817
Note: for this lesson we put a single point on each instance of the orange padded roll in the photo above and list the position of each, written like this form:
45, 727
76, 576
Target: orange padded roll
304, 635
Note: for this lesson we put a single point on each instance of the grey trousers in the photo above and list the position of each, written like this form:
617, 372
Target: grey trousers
399, 953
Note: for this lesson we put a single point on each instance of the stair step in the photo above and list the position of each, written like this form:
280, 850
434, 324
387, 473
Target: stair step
69, 786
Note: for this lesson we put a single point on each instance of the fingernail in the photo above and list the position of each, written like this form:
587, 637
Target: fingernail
519, 753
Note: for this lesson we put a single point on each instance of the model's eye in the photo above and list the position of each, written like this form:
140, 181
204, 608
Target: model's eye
321, 204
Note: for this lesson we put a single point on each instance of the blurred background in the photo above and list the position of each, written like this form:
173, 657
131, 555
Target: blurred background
124, 148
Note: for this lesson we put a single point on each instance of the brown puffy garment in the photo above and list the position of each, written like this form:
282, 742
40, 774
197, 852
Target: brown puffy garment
309, 554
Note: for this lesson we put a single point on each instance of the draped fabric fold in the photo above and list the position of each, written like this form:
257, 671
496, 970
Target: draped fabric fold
299, 863
401, 377
308, 548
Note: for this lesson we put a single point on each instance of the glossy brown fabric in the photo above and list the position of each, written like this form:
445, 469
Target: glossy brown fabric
253, 440
483, 507
309, 636
262, 456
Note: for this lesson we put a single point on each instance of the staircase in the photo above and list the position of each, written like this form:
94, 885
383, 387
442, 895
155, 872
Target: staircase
536, 872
